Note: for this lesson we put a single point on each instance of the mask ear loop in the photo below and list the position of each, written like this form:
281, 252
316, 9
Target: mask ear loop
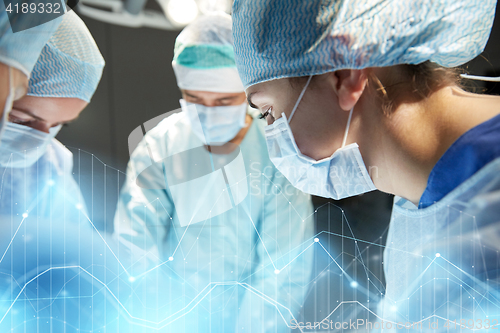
11, 88
300, 98
10, 97
481, 78
347, 128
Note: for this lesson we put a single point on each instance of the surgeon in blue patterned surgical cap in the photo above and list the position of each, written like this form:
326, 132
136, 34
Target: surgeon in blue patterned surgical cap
362, 95
62, 83
18, 53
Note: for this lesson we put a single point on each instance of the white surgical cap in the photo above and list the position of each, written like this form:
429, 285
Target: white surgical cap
21, 49
70, 65
290, 38
204, 56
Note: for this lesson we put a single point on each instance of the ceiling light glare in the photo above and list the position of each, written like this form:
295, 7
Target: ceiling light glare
180, 12
214, 6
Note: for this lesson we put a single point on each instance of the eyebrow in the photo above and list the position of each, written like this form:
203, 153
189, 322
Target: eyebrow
190, 95
249, 100
29, 114
228, 98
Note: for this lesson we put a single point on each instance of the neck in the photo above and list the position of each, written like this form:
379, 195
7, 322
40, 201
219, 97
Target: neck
404, 147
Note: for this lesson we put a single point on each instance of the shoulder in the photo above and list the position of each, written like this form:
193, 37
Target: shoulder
174, 127
171, 135
485, 196
171, 126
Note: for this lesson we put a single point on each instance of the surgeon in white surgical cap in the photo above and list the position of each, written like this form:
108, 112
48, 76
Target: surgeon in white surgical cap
361, 95
36, 168
202, 196
18, 53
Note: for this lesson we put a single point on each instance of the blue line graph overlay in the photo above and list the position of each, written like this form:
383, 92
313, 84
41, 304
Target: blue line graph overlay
74, 277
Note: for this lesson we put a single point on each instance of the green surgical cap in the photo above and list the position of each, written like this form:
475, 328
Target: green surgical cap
204, 56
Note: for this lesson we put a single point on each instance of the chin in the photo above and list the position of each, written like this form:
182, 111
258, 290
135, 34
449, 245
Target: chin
310, 153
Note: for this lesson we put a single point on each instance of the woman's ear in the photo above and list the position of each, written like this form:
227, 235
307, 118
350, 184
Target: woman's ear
349, 85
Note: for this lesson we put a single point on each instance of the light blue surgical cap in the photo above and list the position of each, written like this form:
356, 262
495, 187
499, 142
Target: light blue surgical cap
21, 49
289, 38
70, 65
204, 56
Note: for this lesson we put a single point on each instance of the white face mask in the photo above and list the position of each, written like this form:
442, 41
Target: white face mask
215, 125
7, 107
22, 146
339, 176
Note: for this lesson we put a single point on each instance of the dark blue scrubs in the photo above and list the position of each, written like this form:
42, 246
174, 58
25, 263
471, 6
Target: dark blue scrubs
473, 150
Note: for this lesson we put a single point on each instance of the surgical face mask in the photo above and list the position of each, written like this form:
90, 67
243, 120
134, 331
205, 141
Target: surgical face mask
215, 125
22, 146
8, 106
339, 176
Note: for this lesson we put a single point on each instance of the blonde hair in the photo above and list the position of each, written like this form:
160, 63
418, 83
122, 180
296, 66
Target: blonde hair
410, 83
402, 83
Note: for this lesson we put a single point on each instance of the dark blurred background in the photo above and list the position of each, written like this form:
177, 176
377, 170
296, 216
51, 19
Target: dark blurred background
138, 84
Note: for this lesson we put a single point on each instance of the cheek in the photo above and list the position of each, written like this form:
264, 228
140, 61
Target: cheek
314, 130
70, 110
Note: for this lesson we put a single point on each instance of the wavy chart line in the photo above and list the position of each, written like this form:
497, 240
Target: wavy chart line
213, 285
13, 237
248, 215
187, 309
385, 320
200, 297
264, 297
116, 257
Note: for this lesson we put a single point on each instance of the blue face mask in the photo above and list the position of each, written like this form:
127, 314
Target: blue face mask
339, 176
22, 146
215, 125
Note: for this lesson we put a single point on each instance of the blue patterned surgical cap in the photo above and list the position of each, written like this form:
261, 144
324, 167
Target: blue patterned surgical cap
70, 65
21, 49
288, 38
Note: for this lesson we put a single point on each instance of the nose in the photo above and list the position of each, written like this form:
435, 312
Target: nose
210, 103
42, 127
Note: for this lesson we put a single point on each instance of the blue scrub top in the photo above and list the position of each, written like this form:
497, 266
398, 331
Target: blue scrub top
473, 150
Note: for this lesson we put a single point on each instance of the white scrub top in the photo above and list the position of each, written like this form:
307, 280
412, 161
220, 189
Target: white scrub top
442, 263
252, 246
46, 189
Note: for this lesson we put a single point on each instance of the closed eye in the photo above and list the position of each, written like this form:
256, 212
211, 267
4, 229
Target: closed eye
20, 121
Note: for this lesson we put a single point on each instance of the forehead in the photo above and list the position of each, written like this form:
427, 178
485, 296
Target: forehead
210, 94
269, 85
273, 88
50, 109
